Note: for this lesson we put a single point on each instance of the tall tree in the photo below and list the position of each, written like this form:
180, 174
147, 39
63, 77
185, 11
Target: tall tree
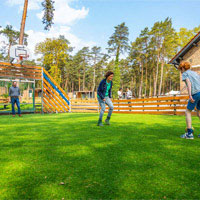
54, 55
118, 43
48, 8
169, 44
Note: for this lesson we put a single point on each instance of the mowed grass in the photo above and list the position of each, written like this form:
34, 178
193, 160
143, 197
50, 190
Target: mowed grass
137, 157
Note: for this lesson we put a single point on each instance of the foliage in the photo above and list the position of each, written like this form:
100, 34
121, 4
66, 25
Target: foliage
48, 8
54, 55
118, 43
144, 67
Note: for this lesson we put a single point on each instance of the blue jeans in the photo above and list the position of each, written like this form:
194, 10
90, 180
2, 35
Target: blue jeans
191, 106
103, 107
13, 101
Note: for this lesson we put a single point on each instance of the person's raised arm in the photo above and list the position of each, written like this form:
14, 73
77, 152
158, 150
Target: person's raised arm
189, 86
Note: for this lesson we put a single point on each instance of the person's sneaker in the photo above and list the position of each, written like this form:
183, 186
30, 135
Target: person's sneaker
187, 136
107, 121
20, 115
13, 115
99, 123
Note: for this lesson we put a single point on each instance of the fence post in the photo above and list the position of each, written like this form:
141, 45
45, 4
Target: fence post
157, 104
42, 90
129, 102
98, 106
174, 105
143, 104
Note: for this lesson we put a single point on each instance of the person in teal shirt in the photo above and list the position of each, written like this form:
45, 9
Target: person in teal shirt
104, 97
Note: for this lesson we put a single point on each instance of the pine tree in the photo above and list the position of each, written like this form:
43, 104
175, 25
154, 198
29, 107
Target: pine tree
118, 43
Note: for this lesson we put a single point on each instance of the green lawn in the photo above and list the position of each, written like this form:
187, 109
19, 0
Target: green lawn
24, 107
138, 157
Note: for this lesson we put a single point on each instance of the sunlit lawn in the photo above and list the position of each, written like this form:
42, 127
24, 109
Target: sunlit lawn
68, 156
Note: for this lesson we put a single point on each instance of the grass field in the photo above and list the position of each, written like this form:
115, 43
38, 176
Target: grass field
137, 157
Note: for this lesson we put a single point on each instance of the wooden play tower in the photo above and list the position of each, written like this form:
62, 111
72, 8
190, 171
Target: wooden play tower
54, 99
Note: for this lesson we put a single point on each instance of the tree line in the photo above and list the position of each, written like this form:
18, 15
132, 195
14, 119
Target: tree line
141, 64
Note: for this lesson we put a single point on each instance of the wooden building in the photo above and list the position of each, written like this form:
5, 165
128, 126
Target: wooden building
191, 53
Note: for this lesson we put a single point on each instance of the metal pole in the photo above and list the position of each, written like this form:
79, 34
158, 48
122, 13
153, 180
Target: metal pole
42, 91
34, 96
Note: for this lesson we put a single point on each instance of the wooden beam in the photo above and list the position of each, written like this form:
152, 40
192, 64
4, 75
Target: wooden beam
53, 99
19, 65
61, 99
56, 84
20, 77
48, 103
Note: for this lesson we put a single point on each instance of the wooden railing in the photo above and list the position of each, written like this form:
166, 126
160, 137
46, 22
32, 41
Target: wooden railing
174, 105
84, 106
8, 70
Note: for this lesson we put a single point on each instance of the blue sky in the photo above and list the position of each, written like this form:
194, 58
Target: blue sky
91, 22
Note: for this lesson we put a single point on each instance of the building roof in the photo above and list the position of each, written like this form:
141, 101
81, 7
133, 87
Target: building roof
178, 57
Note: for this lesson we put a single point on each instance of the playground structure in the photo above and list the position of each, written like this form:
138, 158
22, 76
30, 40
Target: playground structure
53, 97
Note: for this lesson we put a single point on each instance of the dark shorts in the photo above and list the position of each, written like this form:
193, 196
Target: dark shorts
191, 106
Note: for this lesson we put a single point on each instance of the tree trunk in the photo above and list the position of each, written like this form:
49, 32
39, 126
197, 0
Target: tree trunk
163, 87
161, 77
84, 76
154, 82
79, 83
132, 83
94, 75
66, 84
150, 93
21, 37
141, 81
146, 81
156, 77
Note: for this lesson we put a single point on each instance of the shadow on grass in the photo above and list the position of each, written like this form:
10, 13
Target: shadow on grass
122, 161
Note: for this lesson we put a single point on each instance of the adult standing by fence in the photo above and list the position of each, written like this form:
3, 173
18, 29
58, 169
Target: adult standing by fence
104, 97
14, 93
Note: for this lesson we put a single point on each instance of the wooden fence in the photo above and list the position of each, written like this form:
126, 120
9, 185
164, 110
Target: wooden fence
174, 105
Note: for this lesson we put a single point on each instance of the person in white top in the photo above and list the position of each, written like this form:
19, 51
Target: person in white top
120, 93
128, 93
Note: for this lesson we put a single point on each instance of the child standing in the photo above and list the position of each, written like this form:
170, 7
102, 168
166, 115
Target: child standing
192, 81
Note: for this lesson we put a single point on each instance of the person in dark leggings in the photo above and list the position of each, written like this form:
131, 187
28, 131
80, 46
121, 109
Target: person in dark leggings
104, 97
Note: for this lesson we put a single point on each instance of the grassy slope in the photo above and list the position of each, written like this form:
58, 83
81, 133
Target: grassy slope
138, 156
